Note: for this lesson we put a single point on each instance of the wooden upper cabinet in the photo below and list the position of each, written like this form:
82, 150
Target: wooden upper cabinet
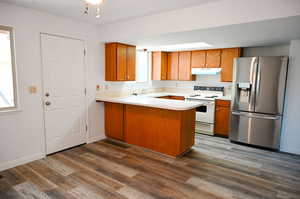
131, 57
227, 59
198, 59
185, 72
119, 62
111, 62
159, 65
173, 59
213, 58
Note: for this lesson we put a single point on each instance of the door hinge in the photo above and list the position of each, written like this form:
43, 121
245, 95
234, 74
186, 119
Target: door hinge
84, 52
86, 128
85, 91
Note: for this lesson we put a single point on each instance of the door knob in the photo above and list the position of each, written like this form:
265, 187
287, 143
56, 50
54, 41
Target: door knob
47, 103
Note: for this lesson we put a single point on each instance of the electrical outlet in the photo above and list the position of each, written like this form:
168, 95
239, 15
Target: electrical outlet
98, 87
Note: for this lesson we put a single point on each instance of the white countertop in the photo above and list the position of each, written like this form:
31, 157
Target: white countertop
149, 100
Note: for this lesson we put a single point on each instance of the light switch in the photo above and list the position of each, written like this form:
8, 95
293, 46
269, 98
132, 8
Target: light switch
32, 89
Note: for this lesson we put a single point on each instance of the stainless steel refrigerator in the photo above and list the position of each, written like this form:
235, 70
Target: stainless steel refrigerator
258, 99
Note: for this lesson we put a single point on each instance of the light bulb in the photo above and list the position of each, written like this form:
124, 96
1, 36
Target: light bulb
94, 2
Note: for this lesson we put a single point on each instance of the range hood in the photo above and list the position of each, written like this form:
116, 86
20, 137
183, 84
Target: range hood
206, 71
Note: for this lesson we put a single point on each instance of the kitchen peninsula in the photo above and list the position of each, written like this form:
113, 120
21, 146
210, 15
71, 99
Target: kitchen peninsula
162, 125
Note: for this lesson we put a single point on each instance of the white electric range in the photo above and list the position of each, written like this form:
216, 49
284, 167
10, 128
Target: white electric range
205, 114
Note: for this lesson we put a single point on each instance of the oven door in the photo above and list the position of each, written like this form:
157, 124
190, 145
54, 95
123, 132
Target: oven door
205, 113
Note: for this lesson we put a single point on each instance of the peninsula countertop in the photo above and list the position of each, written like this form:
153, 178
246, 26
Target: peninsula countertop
150, 101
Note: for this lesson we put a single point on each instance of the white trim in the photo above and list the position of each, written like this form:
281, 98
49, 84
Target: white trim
96, 139
294, 151
21, 161
17, 105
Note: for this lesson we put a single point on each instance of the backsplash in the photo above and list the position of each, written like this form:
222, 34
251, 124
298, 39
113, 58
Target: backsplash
127, 88
201, 80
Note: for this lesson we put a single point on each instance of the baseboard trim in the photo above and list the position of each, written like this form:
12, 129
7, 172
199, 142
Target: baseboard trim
96, 139
290, 151
20, 161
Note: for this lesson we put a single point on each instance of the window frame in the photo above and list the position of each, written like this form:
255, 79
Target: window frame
148, 69
16, 106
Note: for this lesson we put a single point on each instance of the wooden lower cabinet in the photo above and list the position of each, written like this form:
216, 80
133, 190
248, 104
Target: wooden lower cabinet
114, 121
173, 97
222, 118
165, 131
177, 97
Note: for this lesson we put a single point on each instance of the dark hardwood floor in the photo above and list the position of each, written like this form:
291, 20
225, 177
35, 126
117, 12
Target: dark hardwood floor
215, 168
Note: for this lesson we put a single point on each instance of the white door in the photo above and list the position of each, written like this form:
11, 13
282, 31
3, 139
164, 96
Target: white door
64, 92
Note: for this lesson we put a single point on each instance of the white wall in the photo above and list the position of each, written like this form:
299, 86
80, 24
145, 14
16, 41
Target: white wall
290, 141
217, 13
22, 132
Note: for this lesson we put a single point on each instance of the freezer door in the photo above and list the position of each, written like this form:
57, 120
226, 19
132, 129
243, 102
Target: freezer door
256, 129
270, 86
244, 78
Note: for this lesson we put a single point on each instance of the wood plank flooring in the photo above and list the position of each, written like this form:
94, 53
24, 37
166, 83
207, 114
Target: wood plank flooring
215, 168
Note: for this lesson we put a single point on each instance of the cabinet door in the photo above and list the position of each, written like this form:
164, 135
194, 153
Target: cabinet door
114, 120
164, 66
159, 65
121, 62
156, 66
173, 60
227, 59
185, 73
213, 58
110, 62
198, 59
222, 117
131, 51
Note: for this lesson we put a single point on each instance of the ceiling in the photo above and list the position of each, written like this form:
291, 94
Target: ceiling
263, 33
112, 11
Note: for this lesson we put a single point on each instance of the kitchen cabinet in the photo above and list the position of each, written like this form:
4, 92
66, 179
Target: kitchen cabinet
172, 97
185, 71
159, 65
171, 132
119, 62
114, 121
173, 61
213, 58
177, 97
198, 59
165, 131
222, 118
131, 60
227, 59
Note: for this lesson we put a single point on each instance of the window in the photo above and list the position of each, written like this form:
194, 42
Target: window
7, 69
142, 66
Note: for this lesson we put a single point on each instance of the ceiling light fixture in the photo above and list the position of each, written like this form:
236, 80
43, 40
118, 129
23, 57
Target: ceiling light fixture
93, 4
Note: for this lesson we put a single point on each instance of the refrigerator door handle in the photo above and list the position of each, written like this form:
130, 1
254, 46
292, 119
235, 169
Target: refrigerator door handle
253, 74
252, 115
